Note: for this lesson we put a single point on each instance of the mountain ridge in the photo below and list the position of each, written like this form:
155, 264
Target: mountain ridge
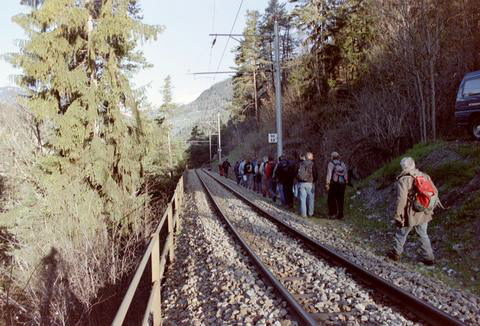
207, 105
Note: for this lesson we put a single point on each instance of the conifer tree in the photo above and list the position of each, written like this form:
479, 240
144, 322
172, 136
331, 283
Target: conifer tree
75, 65
84, 205
167, 104
249, 78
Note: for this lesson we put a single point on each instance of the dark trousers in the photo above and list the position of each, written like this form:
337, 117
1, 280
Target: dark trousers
288, 193
336, 197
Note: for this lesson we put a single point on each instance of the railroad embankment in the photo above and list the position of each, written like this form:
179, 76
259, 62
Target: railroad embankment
454, 231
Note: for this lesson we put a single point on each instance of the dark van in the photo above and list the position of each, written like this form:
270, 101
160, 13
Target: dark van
467, 107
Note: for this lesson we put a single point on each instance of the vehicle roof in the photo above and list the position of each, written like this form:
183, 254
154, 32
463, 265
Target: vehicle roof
472, 74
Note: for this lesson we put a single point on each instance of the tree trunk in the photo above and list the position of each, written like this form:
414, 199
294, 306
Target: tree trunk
255, 92
433, 99
423, 125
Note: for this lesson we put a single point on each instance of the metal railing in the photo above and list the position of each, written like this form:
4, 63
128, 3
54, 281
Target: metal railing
158, 251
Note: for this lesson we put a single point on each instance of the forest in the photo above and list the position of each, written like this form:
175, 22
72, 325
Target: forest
368, 78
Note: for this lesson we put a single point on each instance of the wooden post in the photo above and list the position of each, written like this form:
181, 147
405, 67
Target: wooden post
155, 260
170, 232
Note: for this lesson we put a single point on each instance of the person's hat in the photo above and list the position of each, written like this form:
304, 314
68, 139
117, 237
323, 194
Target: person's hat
335, 155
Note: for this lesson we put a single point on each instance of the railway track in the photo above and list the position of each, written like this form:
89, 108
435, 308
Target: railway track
296, 266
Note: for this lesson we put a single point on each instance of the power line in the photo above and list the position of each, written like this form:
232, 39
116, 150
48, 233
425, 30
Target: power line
214, 72
231, 31
213, 28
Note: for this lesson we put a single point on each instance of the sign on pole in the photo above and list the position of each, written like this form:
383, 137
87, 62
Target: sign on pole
272, 138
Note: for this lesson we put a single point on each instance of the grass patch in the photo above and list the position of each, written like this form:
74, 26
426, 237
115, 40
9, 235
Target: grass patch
454, 173
470, 151
386, 174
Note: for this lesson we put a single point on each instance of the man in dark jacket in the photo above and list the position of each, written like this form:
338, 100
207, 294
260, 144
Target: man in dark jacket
226, 165
280, 175
335, 184
307, 177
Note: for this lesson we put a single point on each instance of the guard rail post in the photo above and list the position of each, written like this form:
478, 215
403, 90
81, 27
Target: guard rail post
169, 241
155, 261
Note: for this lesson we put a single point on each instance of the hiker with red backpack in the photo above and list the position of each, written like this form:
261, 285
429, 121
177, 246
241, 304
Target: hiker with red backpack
417, 197
336, 182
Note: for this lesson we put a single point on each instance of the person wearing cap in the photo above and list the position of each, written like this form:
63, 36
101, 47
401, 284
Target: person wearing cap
335, 184
407, 217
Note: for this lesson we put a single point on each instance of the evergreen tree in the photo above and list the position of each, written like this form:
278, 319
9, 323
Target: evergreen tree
84, 199
76, 67
198, 152
249, 78
167, 104
333, 33
278, 11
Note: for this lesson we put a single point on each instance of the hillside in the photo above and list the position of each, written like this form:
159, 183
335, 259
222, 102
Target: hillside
212, 101
454, 232
8, 95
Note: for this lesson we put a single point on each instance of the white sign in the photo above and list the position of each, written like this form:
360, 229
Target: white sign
272, 138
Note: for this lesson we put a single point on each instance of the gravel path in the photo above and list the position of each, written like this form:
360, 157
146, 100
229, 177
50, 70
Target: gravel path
328, 292
211, 282
464, 306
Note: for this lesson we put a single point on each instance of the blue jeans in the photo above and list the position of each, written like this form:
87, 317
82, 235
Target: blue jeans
401, 236
306, 192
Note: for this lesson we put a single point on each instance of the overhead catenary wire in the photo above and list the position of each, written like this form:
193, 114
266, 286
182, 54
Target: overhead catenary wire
228, 40
219, 64
213, 28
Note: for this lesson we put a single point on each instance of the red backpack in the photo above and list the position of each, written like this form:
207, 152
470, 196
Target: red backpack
425, 196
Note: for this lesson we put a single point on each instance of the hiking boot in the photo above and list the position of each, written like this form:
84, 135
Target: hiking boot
427, 262
393, 255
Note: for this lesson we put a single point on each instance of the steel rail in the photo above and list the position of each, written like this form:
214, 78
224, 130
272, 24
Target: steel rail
295, 308
420, 308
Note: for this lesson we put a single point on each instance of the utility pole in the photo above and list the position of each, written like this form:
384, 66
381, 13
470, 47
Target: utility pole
255, 89
170, 154
278, 93
219, 140
210, 146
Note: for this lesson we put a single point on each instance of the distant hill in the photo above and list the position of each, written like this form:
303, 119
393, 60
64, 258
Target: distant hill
8, 95
214, 100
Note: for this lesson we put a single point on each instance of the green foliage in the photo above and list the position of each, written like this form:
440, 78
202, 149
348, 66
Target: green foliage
454, 174
337, 34
75, 75
470, 152
167, 105
84, 201
469, 211
198, 153
249, 76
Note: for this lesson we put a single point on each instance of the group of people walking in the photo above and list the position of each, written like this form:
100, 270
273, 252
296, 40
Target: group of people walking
288, 179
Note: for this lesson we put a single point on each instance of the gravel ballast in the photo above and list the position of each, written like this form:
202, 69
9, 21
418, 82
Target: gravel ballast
211, 282
324, 290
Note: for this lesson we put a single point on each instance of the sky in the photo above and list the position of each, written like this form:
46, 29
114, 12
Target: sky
183, 48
